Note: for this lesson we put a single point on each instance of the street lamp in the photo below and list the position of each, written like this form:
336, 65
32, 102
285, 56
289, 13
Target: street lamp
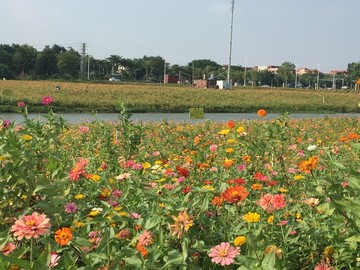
318, 74
295, 76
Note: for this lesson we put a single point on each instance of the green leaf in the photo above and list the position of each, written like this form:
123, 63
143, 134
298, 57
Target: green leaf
269, 261
19, 262
70, 262
152, 222
354, 182
354, 238
82, 242
173, 259
43, 261
134, 261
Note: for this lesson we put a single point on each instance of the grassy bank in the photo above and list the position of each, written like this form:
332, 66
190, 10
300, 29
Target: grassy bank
87, 97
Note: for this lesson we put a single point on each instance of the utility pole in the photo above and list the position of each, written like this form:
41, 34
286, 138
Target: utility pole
230, 44
82, 60
318, 75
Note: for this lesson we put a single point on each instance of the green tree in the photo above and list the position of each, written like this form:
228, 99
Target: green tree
353, 71
114, 61
24, 59
6, 64
204, 66
69, 63
286, 72
46, 62
154, 67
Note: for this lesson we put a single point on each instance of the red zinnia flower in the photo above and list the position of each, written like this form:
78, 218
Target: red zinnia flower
182, 171
230, 124
47, 100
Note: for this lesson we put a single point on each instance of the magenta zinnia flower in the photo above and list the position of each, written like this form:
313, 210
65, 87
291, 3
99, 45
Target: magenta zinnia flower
31, 226
224, 253
70, 208
47, 100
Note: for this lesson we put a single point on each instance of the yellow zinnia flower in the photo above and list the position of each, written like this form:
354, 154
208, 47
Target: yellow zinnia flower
229, 150
251, 217
270, 219
240, 129
79, 196
146, 165
240, 240
224, 131
298, 177
27, 137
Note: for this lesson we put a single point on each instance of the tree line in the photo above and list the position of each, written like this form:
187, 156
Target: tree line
57, 62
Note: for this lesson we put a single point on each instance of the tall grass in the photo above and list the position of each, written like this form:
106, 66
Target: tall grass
86, 97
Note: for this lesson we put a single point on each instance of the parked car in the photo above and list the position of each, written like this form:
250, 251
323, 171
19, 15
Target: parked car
114, 78
345, 87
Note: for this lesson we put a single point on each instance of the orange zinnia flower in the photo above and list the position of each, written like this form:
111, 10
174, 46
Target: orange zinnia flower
235, 194
142, 249
228, 162
217, 201
262, 113
63, 236
182, 224
308, 165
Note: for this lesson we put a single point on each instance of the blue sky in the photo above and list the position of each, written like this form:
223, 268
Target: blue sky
265, 32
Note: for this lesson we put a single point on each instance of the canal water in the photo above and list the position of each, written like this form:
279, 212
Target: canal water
169, 117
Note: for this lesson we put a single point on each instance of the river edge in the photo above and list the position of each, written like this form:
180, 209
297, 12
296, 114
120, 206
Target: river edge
76, 118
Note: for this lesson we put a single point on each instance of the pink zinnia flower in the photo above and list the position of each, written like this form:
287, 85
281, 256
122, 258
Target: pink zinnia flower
278, 201
265, 203
70, 208
282, 223
84, 129
155, 153
124, 234
6, 123
21, 104
8, 248
135, 215
213, 147
323, 266
47, 100
270, 203
116, 194
224, 254
31, 226
241, 167
54, 259
146, 239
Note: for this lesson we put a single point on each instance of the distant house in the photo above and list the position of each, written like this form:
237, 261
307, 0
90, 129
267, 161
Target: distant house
205, 83
301, 71
272, 69
338, 72
171, 78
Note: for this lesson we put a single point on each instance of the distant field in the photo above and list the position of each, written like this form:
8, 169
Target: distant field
87, 97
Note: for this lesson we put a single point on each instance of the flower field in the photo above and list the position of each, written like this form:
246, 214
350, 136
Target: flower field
263, 194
